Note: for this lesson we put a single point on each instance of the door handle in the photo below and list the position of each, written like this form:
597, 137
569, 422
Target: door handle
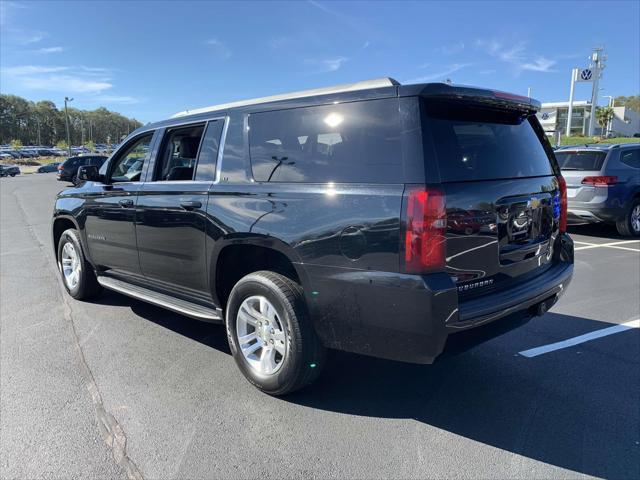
125, 202
191, 205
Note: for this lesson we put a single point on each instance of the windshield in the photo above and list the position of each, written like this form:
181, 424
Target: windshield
587, 160
480, 144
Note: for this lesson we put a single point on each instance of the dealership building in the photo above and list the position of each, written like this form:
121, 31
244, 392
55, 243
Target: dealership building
553, 117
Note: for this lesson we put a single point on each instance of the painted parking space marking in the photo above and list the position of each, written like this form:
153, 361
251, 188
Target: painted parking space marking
615, 245
552, 347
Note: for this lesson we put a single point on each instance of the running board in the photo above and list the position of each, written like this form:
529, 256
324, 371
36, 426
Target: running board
161, 300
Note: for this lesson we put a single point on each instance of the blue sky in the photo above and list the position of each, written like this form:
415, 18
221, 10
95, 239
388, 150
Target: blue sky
151, 59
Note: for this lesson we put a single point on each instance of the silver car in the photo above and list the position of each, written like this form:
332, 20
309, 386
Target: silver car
603, 184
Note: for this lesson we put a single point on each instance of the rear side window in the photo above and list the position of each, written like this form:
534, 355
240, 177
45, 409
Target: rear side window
587, 160
208, 156
479, 144
631, 158
350, 143
177, 158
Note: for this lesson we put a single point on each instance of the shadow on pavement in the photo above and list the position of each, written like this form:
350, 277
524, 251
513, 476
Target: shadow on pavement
576, 411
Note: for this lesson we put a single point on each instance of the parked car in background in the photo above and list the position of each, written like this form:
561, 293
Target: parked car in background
327, 226
68, 170
9, 171
51, 167
603, 184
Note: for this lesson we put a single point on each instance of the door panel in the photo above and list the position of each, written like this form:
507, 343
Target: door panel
110, 229
170, 226
111, 209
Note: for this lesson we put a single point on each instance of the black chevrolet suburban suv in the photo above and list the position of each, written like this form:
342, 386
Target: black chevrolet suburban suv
374, 217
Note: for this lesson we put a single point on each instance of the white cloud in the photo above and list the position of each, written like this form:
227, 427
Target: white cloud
439, 75
64, 79
279, 42
65, 83
50, 50
123, 99
515, 55
450, 49
32, 70
326, 65
540, 64
219, 48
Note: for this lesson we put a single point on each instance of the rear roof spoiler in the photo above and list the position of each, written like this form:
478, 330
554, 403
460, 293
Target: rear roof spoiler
490, 98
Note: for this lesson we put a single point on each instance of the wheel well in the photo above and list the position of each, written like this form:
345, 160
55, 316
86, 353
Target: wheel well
59, 226
236, 261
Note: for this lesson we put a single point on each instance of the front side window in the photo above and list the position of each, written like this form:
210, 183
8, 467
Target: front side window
128, 166
356, 142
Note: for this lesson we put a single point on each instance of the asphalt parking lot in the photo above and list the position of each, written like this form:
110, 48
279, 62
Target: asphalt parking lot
169, 388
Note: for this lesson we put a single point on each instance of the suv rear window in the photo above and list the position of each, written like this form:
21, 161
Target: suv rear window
355, 142
587, 160
480, 144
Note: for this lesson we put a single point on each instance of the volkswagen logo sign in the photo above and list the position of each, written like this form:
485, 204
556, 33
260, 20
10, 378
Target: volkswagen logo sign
585, 74
545, 116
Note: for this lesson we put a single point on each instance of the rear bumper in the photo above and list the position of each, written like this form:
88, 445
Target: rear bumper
593, 214
409, 317
599, 204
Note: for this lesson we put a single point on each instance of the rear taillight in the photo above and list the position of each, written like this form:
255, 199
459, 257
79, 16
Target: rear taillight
562, 186
425, 229
601, 181
60, 167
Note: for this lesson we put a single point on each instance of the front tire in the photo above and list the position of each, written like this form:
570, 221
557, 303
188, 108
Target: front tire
270, 333
629, 225
77, 273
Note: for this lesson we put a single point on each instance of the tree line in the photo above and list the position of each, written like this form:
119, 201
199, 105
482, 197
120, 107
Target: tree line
43, 123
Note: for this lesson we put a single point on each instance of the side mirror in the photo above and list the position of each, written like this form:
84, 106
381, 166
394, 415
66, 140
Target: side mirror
88, 173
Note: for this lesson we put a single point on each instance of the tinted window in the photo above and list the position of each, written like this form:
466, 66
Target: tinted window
208, 156
631, 158
72, 162
477, 144
351, 142
177, 159
580, 160
128, 165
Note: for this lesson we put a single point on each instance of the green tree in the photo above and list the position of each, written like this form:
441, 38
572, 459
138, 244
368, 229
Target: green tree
632, 102
90, 145
16, 144
62, 145
604, 115
43, 122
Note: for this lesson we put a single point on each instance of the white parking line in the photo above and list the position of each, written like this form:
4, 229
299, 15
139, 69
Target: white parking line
534, 352
609, 244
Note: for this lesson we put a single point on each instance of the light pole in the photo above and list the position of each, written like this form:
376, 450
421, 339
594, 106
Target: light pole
610, 97
66, 116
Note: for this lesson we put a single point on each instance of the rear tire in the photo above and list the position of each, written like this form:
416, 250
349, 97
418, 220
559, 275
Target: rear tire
629, 225
77, 274
279, 351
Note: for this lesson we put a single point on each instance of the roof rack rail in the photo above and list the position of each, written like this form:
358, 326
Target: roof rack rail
349, 87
